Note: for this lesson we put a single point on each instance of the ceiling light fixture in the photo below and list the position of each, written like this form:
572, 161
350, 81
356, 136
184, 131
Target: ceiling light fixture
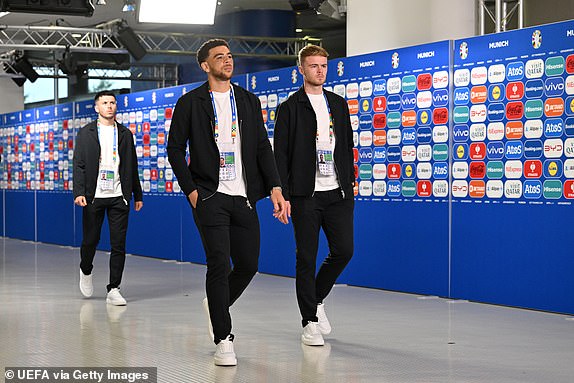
129, 6
100, 2
188, 11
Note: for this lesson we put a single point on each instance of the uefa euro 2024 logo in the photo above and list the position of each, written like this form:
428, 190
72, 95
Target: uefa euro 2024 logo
253, 82
294, 76
536, 39
340, 68
463, 50
395, 60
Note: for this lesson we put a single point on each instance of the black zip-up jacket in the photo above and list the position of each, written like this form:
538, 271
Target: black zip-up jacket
193, 123
87, 163
295, 144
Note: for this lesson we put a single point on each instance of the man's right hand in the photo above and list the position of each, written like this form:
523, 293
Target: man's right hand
80, 201
193, 196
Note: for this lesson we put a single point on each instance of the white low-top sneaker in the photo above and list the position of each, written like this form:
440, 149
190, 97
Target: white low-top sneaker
323, 324
115, 298
311, 335
86, 286
224, 353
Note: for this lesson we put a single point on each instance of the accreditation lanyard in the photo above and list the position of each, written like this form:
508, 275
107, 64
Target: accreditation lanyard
114, 145
233, 116
331, 131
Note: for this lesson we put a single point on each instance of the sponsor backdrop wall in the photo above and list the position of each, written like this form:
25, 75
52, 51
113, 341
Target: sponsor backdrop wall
463, 154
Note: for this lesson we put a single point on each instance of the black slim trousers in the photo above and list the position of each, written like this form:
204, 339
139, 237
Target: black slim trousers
92, 220
329, 211
229, 229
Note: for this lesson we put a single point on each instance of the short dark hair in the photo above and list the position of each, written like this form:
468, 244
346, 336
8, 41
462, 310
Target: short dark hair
203, 51
104, 93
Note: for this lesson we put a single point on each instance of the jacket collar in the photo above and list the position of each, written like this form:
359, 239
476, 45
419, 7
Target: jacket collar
203, 93
301, 96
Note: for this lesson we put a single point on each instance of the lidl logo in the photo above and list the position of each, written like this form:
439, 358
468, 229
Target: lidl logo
569, 106
408, 171
365, 105
494, 93
553, 168
423, 117
460, 151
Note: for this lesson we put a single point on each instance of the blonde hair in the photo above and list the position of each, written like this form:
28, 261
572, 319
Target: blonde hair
311, 50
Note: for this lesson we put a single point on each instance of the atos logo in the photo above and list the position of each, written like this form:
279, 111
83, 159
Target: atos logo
424, 117
379, 87
496, 111
365, 154
477, 151
553, 168
394, 171
393, 153
532, 189
379, 121
379, 104
553, 148
440, 170
495, 150
495, 93
532, 169
477, 169
513, 150
409, 171
440, 97
460, 133
554, 86
424, 135
394, 189
394, 102
408, 101
515, 71
514, 91
553, 127
461, 96
365, 121
534, 88
424, 81
533, 149
380, 155
514, 110
460, 152
409, 136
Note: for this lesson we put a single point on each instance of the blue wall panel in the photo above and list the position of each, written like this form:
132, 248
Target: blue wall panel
55, 218
20, 215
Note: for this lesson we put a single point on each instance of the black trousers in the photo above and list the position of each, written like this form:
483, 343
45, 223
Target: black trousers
329, 211
92, 220
229, 229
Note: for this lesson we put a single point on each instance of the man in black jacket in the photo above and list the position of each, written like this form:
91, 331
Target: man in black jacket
313, 145
105, 177
231, 167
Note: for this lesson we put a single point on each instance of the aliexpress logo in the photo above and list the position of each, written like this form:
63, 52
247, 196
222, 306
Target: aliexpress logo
353, 106
478, 94
514, 130
554, 107
409, 118
476, 189
379, 138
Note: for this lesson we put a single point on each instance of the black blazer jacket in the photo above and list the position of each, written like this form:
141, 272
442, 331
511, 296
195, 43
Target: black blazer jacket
192, 128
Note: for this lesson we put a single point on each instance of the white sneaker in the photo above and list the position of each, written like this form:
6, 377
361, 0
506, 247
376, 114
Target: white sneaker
209, 326
115, 298
311, 335
86, 286
224, 354
323, 324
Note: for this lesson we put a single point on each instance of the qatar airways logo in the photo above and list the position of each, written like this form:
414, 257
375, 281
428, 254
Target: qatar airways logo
461, 77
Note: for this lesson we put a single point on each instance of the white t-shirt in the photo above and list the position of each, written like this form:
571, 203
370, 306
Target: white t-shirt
107, 136
323, 182
226, 144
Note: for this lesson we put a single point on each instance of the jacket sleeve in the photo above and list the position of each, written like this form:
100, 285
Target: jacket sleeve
136, 185
179, 135
265, 158
281, 145
79, 173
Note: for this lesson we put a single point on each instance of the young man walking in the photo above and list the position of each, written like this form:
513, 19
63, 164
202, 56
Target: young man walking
313, 143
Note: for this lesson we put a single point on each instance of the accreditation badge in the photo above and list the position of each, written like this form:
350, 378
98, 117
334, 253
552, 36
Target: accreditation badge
106, 178
227, 163
325, 162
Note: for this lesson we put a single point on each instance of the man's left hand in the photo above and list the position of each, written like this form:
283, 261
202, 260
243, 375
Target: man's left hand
138, 205
281, 208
